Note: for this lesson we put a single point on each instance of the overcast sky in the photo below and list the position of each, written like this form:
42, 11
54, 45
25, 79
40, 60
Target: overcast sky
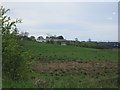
82, 20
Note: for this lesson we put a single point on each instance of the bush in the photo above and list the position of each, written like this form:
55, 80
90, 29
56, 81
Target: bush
13, 58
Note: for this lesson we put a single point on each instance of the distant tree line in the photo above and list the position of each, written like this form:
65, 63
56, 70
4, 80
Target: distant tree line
88, 44
99, 45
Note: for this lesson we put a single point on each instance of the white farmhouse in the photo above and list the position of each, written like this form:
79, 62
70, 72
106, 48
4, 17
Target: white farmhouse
41, 39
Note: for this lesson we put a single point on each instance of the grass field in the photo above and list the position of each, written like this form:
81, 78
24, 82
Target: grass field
58, 52
56, 66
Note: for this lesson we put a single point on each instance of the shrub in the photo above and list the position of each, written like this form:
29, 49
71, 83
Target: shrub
13, 56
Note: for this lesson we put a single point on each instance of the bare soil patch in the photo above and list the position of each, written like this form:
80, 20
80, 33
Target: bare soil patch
77, 67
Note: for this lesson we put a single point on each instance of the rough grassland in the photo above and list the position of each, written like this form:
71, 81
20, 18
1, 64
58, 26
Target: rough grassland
56, 66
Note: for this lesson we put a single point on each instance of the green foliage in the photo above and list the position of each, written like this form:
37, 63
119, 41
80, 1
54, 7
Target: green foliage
12, 59
12, 52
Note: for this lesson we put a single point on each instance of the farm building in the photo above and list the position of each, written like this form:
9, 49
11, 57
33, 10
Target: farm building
41, 39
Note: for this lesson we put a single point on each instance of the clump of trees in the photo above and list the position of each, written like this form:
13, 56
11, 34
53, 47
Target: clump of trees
99, 45
13, 54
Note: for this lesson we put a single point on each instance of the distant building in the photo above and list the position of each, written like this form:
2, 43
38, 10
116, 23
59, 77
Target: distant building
57, 40
63, 43
41, 39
